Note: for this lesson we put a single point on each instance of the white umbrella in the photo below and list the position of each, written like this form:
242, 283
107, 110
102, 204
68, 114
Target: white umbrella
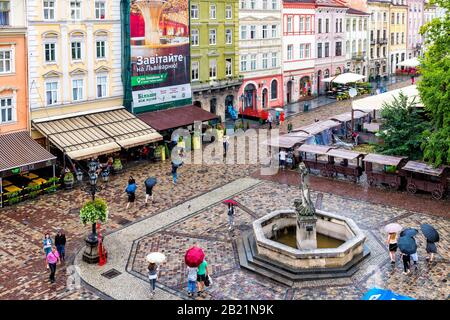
411, 63
393, 228
344, 78
279, 109
156, 257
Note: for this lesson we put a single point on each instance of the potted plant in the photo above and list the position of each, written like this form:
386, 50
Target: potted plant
105, 175
69, 180
117, 165
32, 190
13, 197
79, 176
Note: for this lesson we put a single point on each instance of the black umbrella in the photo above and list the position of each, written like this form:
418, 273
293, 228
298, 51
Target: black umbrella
409, 232
150, 182
407, 245
429, 232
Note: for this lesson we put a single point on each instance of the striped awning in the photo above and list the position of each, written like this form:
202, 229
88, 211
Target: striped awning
93, 134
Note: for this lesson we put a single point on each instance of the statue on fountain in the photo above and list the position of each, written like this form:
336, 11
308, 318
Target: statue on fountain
304, 206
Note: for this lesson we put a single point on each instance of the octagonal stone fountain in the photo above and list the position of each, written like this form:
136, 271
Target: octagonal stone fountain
303, 244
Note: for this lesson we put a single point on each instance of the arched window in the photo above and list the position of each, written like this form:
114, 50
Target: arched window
274, 90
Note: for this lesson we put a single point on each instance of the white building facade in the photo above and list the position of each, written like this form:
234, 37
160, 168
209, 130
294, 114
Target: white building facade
415, 21
357, 41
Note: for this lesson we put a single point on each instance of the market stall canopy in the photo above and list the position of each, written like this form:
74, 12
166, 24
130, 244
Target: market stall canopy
19, 151
176, 117
347, 117
377, 102
312, 148
318, 127
345, 78
421, 167
344, 154
89, 134
411, 63
384, 160
286, 141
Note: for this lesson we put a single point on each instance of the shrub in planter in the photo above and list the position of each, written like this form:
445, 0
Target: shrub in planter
68, 180
157, 153
51, 189
13, 197
92, 212
32, 190
117, 165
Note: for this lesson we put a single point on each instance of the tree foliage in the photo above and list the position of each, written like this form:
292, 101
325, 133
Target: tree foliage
402, 128
94, 211
434, 86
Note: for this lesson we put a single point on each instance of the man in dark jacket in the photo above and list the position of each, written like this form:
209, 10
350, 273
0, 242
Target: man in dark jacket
60, 243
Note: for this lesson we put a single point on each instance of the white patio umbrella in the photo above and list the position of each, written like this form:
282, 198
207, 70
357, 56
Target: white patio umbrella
345, 78
410, 63
156, 257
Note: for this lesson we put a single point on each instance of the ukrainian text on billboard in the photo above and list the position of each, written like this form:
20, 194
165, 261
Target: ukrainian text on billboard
160, 60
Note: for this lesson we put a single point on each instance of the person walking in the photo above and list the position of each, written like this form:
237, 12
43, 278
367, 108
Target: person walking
174, 172
131, 191
60, 243
431, 249
289, 127
230, 216
47, 244
192, 280
269, 120
202, 273
148, 194
52, 260
406, 263
225, 145
152, 276
282, 159
392, 242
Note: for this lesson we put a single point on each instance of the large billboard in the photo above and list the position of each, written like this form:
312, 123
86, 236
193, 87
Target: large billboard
160, 54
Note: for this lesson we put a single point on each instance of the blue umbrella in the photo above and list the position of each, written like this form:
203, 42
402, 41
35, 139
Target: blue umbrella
409, 232
150, 182
407, 245
381, 294
429, 232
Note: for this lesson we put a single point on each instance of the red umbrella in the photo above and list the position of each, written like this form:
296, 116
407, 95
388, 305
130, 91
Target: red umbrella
234, 203
194, 257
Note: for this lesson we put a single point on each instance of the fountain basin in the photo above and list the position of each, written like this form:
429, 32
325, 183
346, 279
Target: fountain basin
328, 224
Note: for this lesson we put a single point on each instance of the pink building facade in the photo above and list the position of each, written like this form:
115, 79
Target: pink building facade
330, 18
415, 21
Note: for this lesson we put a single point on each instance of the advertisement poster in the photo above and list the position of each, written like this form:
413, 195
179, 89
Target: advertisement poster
160, 54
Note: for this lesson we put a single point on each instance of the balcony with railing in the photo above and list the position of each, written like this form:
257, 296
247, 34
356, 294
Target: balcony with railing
359, 56
382, 41
372, 42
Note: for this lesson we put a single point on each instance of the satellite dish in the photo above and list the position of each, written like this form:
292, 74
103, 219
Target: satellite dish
352, 92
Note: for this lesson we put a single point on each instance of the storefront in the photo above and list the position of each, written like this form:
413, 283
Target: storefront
21, 162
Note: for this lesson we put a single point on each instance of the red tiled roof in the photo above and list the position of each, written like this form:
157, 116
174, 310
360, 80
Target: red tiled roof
19, 149
176, 117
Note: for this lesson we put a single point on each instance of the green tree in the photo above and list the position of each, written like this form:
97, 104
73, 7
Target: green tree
434, 86
92, 212
402, 128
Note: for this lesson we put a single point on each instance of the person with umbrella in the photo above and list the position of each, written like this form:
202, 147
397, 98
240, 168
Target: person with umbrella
411, 232
432, 236
149, 184
407, 246
202, 274
131, 191
231, 204
154, 259
391, 241
193, 258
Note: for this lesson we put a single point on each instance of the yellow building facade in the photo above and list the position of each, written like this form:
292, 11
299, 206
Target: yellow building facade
74, 57
398, 23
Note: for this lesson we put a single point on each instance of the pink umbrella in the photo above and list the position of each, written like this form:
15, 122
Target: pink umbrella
194, 257
234, 203
393, 228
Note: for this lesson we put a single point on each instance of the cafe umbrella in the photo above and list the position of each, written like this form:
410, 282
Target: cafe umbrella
429, 232
407, 245
194, 257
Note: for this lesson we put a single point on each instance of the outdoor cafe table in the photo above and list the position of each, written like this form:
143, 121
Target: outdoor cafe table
38, 181
12, 188
30, 175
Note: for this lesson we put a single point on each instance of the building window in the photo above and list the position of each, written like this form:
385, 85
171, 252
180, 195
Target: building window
365, 24
327, 49
51, 93
228, 36
76, 50
100, 10
4, 13
302, 50
290, 50
340, 25
194, 37
308, 24
319, 50
102, 83
243, 32
337, 25
264, 4
252, 4
212, 69
228, 67
347, 46
338, 49
392, 38
302, 26
393, 18
212, 11
228, 12
397, 36
252, 32
274, 59
354, 46
212, 36
101, 49
195, 70
264, 32
289, 24
347, 25
50, 52
253, 62
75, 10
319, 26
274, 89
403, 37
49, 9
308, 51
274, 31
327, 25
354, 24
384, 17
77, 89
360, 27
398, 18
274, 5
5, 61
265, 61
7, 110
194, 11
243, 4
244, 63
